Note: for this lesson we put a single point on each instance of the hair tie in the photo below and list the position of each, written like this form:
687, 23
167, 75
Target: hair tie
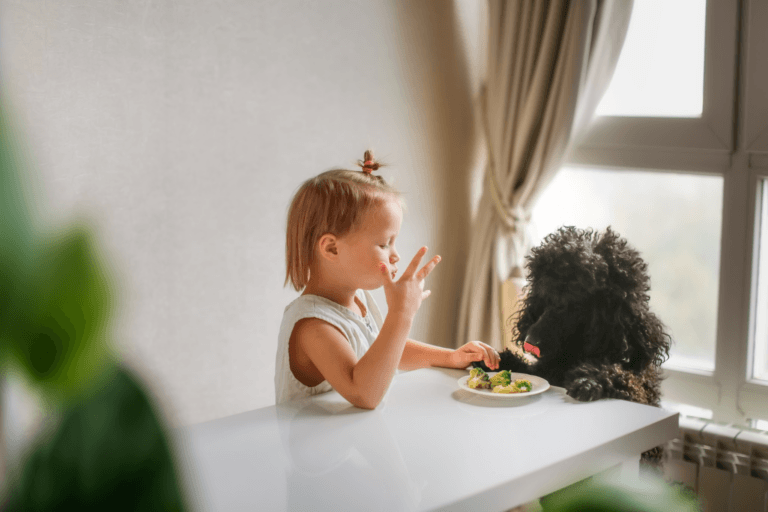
368, 164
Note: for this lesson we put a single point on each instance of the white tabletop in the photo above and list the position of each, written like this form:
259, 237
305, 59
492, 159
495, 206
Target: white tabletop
428, 446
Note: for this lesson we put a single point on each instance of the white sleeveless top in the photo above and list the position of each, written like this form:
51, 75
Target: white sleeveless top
360, 332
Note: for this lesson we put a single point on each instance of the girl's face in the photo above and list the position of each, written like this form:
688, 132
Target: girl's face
372, 243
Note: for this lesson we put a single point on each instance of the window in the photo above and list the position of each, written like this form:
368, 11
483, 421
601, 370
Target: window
676, 161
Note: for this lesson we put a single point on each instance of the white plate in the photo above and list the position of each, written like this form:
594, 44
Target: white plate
539, 386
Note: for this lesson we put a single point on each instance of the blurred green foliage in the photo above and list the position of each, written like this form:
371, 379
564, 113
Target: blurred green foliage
109, 450
648, 494
16, 237
59, 335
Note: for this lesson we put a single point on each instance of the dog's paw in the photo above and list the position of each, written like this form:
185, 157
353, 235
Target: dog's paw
653, 457
585, 389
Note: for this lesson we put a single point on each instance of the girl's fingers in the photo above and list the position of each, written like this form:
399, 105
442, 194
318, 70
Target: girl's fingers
490, 357
495, 357
426, 269
482, 357
414, 264
385, 270
487, 358
426, 294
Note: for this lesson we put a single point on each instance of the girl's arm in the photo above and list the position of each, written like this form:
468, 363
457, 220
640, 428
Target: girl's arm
363, 383
422, 355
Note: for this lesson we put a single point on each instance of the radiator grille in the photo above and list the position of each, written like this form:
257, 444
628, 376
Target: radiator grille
726, 466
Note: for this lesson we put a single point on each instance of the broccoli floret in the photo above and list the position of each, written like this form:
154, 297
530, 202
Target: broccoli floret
478, 372
503, 378
479, 382
506, 389
524, 385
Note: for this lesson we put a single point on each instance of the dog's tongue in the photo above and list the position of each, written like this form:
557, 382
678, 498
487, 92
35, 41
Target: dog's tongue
532, 349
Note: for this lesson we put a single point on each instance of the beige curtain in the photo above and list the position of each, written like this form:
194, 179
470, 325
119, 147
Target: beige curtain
549, 64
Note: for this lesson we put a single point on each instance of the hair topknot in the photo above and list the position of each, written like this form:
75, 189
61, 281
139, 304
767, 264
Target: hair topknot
369, 163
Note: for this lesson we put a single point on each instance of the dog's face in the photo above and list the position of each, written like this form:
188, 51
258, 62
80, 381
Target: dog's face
586, 300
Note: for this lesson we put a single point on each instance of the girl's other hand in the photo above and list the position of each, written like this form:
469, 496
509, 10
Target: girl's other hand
475, 351
404, 296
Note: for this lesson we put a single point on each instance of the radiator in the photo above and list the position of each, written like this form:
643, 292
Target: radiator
727, 467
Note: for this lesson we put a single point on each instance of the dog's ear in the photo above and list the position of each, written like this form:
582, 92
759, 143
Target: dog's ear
648, 342
606, 337
659, 341
530, 312
636, 357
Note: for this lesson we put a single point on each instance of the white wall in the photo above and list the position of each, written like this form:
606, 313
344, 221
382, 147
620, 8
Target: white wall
182, 131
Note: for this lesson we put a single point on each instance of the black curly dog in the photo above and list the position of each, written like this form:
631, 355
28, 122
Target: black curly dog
586, 310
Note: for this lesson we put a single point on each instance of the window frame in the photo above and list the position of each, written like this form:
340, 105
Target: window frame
729, 140
712, 131
753, 392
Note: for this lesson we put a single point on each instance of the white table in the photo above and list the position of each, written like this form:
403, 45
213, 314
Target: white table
428, 446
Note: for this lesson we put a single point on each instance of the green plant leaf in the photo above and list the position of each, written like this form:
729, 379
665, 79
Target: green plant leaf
60, 337
109, 452
16, 230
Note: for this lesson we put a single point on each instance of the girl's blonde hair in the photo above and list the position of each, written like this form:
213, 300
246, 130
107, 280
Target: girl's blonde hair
332, 202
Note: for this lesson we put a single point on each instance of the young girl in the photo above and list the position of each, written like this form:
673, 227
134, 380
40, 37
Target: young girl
340, 243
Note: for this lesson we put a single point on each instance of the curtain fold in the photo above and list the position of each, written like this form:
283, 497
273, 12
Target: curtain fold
549, 64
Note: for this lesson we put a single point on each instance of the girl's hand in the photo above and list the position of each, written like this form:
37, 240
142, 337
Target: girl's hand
404, 296
475, 351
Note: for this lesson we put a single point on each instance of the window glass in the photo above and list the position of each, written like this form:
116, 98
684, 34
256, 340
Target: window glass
674, 221
660, 72
760, 339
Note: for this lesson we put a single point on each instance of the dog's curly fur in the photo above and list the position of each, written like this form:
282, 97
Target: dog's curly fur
586, 309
